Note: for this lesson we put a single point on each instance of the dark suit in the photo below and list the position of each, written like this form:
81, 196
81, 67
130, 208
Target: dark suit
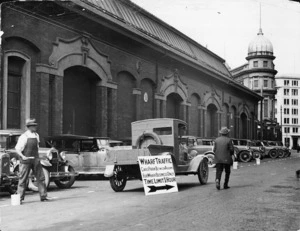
223, 149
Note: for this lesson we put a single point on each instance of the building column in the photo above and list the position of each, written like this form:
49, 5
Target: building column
137, 94
164, 108
112, 112
157, 108
238, 133
42, 114
101, 111
200, 129
57, 105
205, 123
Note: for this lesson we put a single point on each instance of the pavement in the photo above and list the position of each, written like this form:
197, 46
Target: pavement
262, 197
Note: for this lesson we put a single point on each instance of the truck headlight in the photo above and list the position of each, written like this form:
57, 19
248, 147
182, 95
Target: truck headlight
63, 155
49, 155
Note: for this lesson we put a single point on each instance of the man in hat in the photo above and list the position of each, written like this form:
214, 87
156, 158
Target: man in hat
223, 149
28, 150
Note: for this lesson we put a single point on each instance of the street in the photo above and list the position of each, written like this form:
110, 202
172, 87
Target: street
265, 197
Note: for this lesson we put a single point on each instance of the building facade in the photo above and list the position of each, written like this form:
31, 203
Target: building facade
93, 67
287, 108
258, 74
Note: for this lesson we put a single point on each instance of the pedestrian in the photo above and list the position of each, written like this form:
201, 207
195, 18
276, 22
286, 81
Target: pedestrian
28, 150
223, 149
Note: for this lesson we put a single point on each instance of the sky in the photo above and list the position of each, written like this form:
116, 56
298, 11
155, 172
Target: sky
226, 27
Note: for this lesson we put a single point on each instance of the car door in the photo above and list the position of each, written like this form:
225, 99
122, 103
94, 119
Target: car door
88, 150
71, 148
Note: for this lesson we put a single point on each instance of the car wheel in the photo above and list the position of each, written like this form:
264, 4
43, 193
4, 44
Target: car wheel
273, 154
66, 182
244, 157
281, 153
211, 160
257, 155
32, 182
119, 179
203, 171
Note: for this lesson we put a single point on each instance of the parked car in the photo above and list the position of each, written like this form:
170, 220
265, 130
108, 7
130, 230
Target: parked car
242, 150
271, 149
86, 154
155, 137
202, 146
283, 151
55, 167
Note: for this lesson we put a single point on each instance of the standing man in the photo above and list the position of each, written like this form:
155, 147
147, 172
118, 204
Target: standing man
28, 150
223, 149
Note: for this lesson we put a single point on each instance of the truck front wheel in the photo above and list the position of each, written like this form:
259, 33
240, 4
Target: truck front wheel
118, 180
203, 171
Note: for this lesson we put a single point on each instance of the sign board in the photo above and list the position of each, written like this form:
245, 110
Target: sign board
157, 174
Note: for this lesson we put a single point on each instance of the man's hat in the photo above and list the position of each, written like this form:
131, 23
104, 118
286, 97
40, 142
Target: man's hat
31, 122
224, 131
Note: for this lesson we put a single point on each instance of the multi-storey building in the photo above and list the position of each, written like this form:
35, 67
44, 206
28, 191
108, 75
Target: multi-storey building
287, 108
258, 74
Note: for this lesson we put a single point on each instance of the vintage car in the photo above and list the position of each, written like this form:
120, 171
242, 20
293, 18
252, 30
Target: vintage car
271, 149
286, 151
242, 150
55, 167
86, 154
202, 146
155, 137
8, 179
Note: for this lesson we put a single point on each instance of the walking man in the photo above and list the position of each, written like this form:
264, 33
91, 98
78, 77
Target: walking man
223, 149
28, 150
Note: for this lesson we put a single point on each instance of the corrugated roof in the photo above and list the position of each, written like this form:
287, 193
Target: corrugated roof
141, 20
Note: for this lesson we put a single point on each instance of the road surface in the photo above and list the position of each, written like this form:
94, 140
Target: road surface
264, 197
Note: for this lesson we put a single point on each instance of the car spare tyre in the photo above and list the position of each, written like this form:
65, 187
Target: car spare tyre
146, 139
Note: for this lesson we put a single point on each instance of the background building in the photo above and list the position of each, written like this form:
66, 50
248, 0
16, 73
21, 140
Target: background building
287, 108
93, 67
259, 75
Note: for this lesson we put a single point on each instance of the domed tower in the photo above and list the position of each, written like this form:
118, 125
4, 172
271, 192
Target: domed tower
261, 73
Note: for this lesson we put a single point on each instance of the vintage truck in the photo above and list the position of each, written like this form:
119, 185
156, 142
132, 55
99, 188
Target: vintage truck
154, 137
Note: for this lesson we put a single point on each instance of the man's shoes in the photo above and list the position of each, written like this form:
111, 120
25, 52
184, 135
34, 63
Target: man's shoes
226, 186
218, 184
44, 199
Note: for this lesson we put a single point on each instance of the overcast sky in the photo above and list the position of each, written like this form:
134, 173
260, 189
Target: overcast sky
226, 27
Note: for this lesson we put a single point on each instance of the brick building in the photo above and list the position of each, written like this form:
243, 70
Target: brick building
92, 67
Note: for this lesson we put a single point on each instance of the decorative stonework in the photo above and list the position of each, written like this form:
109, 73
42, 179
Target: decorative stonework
79, 51
174, 84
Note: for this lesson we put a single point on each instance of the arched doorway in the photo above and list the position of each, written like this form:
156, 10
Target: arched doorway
79, 100
173, 106
194, 120
147, 101
212, 121
125, 103
244, 127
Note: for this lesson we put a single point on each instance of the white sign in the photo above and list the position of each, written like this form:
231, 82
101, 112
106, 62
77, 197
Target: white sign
157, 174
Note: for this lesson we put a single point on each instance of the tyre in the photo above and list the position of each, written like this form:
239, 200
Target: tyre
245, 156
257, 154
211, 160
119, 179
281, 153
273, 154
12, 188
66, 182
32, 182
203, 171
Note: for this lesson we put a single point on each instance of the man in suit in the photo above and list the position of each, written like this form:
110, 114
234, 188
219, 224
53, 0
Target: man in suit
223, 149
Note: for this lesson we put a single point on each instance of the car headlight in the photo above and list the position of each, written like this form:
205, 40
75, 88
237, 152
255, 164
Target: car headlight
63, 155
49, 155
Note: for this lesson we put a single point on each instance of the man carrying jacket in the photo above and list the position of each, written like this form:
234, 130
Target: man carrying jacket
28, 150
223, 149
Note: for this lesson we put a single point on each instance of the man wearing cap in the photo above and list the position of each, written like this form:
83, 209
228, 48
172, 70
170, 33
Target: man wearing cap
223, 149
28, 150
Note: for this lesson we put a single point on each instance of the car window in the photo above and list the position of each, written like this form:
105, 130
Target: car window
191, 142
163, 131
272, 143
88, 146
71, 145
235, 142
58, 144
3, 141
243, 142
207, 142
265, 143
